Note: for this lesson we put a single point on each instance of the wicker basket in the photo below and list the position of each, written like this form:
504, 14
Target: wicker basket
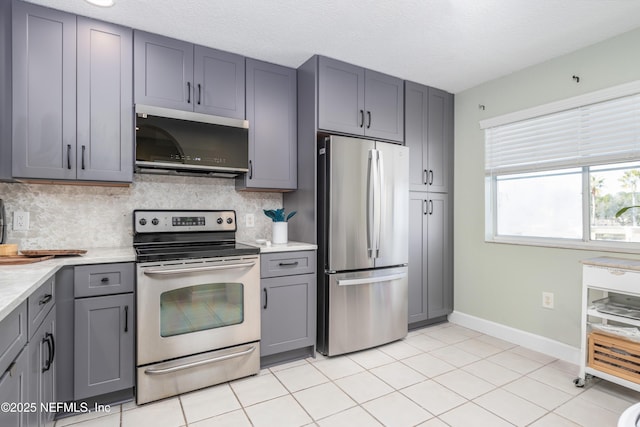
615, 356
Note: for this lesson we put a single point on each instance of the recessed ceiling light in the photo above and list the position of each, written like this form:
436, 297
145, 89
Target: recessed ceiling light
101, 3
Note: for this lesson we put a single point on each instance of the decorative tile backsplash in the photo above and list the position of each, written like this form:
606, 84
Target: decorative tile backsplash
81, 217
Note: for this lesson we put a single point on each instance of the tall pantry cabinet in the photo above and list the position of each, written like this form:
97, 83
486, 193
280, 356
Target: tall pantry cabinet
429, 136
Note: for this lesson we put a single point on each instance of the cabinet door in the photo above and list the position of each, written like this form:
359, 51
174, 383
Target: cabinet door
430, 256
288, 318
103, 347
105, 102
44, 93
271, 112
341, 91
384, 106
440, 140
219, 83
416, 125
13, 389
42, 366
439, 271
417, 280
5, 90
163, 70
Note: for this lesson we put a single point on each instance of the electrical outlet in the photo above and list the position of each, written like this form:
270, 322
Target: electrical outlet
547, 299
250, 220
20, 221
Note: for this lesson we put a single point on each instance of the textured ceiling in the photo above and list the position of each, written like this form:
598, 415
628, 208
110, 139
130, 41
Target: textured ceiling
449, 44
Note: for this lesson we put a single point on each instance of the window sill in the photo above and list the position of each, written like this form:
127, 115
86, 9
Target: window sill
624, 248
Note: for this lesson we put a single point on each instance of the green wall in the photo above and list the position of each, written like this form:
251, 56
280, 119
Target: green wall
504, 283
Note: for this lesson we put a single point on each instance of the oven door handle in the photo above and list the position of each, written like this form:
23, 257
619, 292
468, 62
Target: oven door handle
170, 271
198, 363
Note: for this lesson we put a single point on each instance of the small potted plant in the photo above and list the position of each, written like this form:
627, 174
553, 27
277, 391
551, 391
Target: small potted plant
280, 221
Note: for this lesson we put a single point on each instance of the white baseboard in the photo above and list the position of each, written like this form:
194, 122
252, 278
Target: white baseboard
525, 339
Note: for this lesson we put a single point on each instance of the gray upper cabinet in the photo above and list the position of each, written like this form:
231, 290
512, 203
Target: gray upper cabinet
219, 83
104, 107
44, 93
72, 97
175, 74
429, 135
271, 112
357, 101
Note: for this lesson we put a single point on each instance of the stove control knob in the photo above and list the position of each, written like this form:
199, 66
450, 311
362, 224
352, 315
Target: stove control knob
219, 220
229, 220
142, 221
155, 221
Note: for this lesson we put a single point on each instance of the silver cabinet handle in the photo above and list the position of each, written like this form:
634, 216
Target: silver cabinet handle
188, 92
361, 118
83, 150
184, 270
68, 156
370, 280
368, 119
199, 363
430, 177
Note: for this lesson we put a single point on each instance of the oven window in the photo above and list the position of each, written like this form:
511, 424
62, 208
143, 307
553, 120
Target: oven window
201, 307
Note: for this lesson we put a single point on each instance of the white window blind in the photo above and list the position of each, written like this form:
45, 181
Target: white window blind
603, 132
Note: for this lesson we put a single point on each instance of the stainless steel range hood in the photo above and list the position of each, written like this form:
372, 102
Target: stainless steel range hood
183, 142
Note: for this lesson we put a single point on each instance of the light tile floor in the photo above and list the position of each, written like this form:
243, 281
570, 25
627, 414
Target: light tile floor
443, 375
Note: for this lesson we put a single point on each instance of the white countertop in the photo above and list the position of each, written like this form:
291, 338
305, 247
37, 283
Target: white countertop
285, 247
17, 282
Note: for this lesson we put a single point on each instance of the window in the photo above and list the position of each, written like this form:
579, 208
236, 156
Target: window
561, 172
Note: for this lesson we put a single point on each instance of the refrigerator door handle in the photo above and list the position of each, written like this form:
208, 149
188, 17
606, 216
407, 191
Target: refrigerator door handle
380, 202
371, 190
370, 280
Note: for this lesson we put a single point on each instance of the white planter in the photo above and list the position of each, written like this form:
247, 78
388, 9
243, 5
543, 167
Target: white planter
280, 232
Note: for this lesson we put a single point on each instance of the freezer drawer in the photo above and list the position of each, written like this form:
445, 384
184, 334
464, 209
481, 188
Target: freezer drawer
365, 309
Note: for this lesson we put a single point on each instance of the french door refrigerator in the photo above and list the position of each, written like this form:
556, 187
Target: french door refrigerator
363, 190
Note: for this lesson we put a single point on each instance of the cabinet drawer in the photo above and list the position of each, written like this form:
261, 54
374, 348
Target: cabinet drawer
40, 303
287, 263
103, 279
13, 335
612, 279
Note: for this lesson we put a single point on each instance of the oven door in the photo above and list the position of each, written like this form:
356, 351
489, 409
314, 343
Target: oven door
194, 306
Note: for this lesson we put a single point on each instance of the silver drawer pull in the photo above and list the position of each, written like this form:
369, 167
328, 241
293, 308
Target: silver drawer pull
199, 363
198, 269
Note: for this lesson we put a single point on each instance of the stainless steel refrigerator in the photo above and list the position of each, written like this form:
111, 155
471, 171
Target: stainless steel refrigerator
363, 213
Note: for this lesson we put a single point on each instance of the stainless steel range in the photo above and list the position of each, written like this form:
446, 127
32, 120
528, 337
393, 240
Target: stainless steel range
198, 302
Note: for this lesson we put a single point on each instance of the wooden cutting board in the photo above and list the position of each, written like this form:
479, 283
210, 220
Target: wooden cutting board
54, 252
21, 259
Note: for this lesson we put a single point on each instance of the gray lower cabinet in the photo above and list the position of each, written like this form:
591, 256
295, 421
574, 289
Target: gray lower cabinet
104, 344
271, 112
430, 257
72, 109
14, 363
41, 372
358, 101
41, 355
175, 74
104, 329
288, 320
